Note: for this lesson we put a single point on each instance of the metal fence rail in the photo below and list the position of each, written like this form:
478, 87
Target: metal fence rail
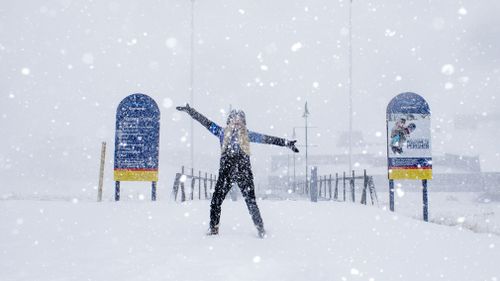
327, 187
182, 178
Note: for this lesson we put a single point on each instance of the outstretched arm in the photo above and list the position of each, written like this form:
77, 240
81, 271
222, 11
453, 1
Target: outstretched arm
207, 123
261, 138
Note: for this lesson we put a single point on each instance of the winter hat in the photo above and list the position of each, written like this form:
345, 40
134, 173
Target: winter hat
236, 113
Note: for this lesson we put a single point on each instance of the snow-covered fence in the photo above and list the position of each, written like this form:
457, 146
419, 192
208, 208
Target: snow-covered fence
182, 178
329, 187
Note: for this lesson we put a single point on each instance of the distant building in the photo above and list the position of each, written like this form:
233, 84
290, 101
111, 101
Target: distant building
451, 172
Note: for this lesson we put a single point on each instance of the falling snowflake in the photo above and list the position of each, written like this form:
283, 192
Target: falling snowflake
167, 103
448, 69
400, 192
183, 178
297, 46
389, 33
171, 43
25, 71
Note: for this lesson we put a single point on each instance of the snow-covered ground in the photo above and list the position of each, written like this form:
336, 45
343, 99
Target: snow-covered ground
142, 240
478, 212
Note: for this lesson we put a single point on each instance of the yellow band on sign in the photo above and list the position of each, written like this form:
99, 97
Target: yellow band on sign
136, 175
410, 174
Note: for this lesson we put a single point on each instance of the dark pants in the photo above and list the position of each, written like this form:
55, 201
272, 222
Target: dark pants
235, 168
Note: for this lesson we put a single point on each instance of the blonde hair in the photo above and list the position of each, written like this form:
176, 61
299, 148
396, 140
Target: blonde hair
244, 140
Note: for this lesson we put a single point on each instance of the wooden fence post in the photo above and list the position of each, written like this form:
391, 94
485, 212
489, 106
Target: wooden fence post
343, 179
313, 187
353, 191
365, 185
183, 191
330, 187
101, 171
336, 192
175, 188
211, 186
192, 184
199, 185
320, 186
205, 185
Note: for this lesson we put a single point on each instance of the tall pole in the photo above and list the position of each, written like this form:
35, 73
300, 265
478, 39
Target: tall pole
294, 178
191, 82
350, 85
288, 172
307, 163
306, 114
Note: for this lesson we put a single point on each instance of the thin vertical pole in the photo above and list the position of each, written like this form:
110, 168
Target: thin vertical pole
211, 184
117, 191
330, 187
307, 164
320, 186
426, 203
101, 171
288, 172
353, 189
199, 185
344, 184
336, 193
325, 186
183, 191
205, 185
192, 184
294, 177
350, 85
191, 82
391, 195
153, 191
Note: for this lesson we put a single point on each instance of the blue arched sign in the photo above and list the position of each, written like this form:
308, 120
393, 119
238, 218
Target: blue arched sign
137, 140
409, 138
409, 150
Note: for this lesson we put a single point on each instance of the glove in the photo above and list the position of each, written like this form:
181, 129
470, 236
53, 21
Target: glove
291, 145
186, 108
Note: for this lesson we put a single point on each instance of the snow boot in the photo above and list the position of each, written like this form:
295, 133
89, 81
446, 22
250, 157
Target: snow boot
261, 232
213, 231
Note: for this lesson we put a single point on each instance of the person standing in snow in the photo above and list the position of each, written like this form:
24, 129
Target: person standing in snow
235, 165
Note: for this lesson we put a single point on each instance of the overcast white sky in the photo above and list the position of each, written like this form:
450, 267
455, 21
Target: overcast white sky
65, 66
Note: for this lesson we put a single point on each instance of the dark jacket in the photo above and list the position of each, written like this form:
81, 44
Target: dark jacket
218, 131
